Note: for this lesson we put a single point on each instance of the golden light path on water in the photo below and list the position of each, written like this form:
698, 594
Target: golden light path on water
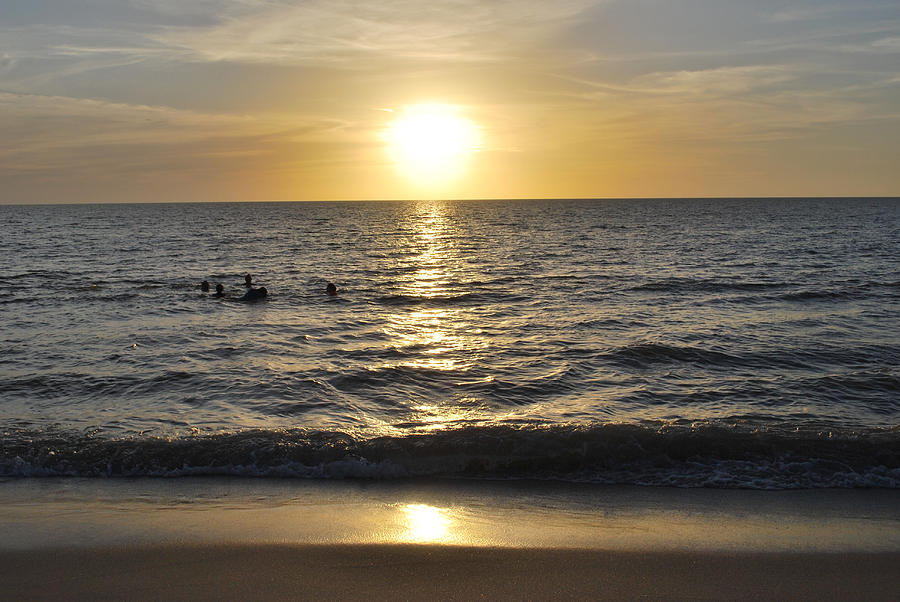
439, 336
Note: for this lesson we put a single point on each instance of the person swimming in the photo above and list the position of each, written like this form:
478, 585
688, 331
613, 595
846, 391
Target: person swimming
255, 294
248, 281
204, 286
331, 289
220, 290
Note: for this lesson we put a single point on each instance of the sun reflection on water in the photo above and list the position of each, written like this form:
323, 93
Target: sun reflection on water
434, 339
435, 328
434, 263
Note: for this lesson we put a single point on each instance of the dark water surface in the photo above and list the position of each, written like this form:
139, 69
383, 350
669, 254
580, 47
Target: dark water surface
731, 343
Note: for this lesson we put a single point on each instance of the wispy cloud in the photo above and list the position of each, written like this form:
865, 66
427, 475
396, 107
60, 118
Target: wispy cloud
723, 109
883, 45
807, 13
46, 132
720, 81
300, 31
345, 30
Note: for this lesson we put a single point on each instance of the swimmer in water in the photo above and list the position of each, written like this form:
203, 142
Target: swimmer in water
204, 286
220, 290
255, 294
331, 289
248, 281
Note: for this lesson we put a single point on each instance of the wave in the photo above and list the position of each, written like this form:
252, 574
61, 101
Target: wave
465, 299
812, 295
680, 455
688, 285
72, 384
643, 354
768, 291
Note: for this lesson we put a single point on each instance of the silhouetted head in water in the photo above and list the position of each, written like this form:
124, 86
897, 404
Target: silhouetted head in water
331, 289
248, 280
204, 286
220, 290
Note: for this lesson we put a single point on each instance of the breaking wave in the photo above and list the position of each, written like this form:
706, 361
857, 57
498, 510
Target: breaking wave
680, 455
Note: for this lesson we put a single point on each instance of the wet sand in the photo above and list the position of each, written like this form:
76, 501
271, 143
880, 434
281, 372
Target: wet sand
382, 572
219, 538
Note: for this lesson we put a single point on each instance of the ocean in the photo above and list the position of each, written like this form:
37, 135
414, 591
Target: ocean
726, 343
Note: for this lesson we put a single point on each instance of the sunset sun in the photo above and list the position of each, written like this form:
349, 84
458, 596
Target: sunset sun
431, 143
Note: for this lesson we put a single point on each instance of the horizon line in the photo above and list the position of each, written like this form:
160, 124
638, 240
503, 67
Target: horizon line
472, 199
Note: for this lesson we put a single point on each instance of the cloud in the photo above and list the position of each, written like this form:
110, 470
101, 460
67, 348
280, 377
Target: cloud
723, 81
884, 45
47, 132
44, 40
345, 30
808, 13
42, 54
353, 37
724, 109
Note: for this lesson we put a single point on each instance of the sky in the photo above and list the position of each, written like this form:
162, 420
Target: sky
232, 100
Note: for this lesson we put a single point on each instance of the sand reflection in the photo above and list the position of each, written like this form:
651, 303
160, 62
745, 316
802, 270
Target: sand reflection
426, 524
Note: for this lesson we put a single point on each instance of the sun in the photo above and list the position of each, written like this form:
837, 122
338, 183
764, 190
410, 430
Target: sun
431, 143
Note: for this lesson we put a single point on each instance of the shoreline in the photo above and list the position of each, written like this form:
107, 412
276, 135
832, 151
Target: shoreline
99, 513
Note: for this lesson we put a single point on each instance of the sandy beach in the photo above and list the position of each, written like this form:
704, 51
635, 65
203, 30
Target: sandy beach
219, 538
382, 572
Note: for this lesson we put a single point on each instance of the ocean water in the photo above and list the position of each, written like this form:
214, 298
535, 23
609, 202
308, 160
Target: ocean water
741, 343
